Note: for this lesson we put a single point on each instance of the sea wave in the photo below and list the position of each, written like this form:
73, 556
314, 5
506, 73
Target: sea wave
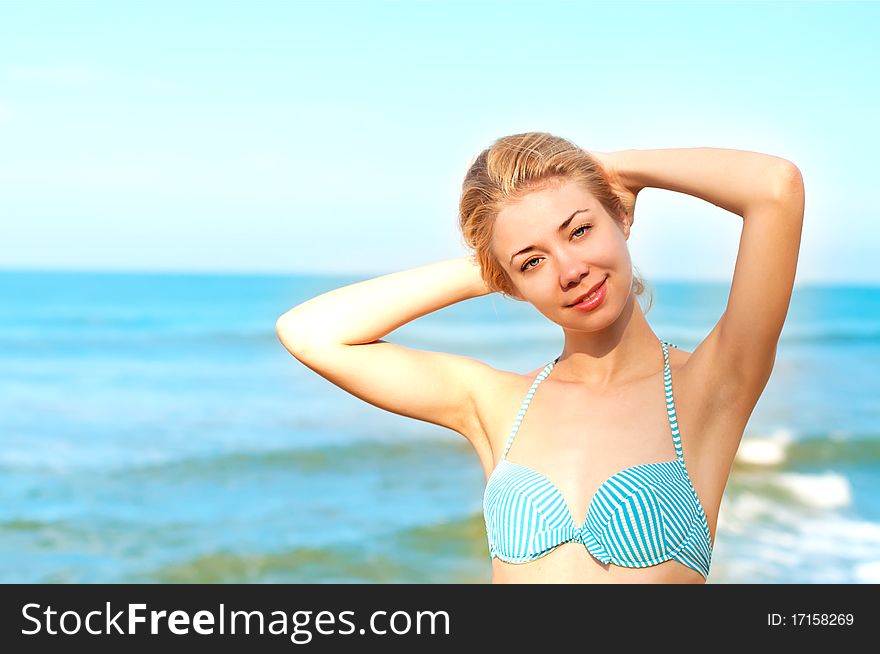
780, 448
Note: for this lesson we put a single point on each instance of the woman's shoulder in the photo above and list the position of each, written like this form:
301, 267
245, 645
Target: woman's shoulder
496, 384
495, 391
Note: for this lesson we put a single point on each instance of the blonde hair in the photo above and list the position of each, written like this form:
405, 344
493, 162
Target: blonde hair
509, 169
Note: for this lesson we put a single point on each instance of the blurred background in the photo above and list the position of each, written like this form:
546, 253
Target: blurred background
174, 176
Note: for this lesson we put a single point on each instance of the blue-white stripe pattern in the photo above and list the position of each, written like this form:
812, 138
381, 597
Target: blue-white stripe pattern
641, 516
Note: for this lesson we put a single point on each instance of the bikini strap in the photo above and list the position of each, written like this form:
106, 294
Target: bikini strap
525, 404
670, 402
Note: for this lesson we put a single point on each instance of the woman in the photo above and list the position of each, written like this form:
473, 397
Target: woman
603, 475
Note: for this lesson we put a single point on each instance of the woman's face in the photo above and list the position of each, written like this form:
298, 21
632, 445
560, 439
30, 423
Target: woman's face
563, 263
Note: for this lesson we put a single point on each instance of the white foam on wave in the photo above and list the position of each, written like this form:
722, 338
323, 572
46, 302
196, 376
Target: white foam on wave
741, 511
828, 490
844, 547
776, 541
765, 451
868, 573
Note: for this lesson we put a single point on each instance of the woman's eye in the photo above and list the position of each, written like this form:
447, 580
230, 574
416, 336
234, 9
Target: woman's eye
526, 265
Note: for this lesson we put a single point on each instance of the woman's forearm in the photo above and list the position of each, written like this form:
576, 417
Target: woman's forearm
368, 310
731, 179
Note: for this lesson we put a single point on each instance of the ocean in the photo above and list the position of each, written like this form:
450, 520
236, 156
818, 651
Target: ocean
153, 429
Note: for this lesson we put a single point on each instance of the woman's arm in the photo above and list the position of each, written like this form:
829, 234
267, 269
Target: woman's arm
731, 179
337, 335
366, 311
768, 193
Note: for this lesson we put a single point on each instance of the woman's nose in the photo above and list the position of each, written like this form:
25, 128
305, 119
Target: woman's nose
571, 272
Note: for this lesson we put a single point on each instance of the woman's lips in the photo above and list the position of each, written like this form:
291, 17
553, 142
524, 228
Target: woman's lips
591, 303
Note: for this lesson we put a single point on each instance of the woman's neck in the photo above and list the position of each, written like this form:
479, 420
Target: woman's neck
625, 351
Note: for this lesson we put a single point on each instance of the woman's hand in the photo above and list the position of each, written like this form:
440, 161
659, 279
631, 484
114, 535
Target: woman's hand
622, 187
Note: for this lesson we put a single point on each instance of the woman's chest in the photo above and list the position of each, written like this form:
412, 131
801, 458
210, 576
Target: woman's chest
579, 440
571, 423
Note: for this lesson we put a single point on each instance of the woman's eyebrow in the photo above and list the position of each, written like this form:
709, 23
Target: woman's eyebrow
559, 229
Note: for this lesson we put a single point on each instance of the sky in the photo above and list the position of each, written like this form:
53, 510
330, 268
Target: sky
332, 137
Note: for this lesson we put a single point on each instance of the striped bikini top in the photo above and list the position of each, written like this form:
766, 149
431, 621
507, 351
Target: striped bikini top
641, 516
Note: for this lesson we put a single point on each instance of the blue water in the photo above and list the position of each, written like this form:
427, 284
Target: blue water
153, 429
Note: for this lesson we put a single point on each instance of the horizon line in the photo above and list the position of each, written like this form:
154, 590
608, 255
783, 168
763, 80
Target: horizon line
369, 274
